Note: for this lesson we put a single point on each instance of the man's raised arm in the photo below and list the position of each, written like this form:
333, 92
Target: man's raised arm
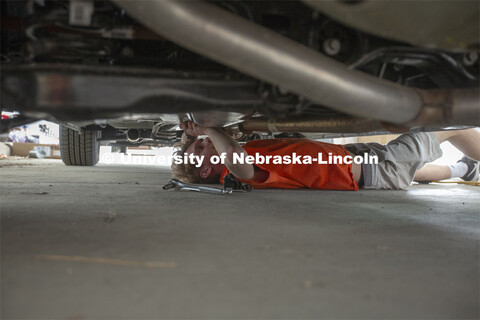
224, 143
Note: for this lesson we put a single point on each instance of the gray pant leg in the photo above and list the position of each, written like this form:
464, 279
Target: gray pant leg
398, 160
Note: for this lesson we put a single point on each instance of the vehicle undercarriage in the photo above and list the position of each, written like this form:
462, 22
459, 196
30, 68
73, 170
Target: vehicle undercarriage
129, 72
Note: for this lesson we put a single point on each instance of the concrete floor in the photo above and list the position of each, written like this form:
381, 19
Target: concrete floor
108, 242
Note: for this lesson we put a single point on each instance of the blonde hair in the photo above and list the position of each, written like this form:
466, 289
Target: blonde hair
185, 172
188, 172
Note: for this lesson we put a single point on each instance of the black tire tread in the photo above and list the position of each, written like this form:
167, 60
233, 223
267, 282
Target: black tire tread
78, 149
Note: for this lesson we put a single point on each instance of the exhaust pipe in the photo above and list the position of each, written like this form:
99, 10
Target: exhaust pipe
264, 54
133, 135
339, 124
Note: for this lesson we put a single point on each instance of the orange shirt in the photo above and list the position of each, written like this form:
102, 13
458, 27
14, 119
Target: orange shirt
314, 176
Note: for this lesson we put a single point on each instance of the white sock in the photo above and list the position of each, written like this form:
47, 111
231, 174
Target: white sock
458, 169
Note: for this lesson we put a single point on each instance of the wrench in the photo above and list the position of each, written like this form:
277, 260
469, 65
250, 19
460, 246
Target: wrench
229, 187
179, 185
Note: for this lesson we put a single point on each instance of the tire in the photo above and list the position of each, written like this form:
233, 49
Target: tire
78, 149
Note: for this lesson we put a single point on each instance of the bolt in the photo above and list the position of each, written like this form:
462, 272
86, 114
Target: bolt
332, 46
470, 58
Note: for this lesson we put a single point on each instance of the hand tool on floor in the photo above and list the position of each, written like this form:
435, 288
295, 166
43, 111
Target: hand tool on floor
231, 185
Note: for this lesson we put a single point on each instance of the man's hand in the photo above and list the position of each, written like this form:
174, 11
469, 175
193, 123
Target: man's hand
224, 143
192, 129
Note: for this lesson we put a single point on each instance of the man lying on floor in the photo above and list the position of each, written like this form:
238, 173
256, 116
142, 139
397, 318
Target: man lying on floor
400, 162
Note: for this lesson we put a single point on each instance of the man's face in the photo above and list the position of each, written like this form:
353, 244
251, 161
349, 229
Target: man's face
202, 147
